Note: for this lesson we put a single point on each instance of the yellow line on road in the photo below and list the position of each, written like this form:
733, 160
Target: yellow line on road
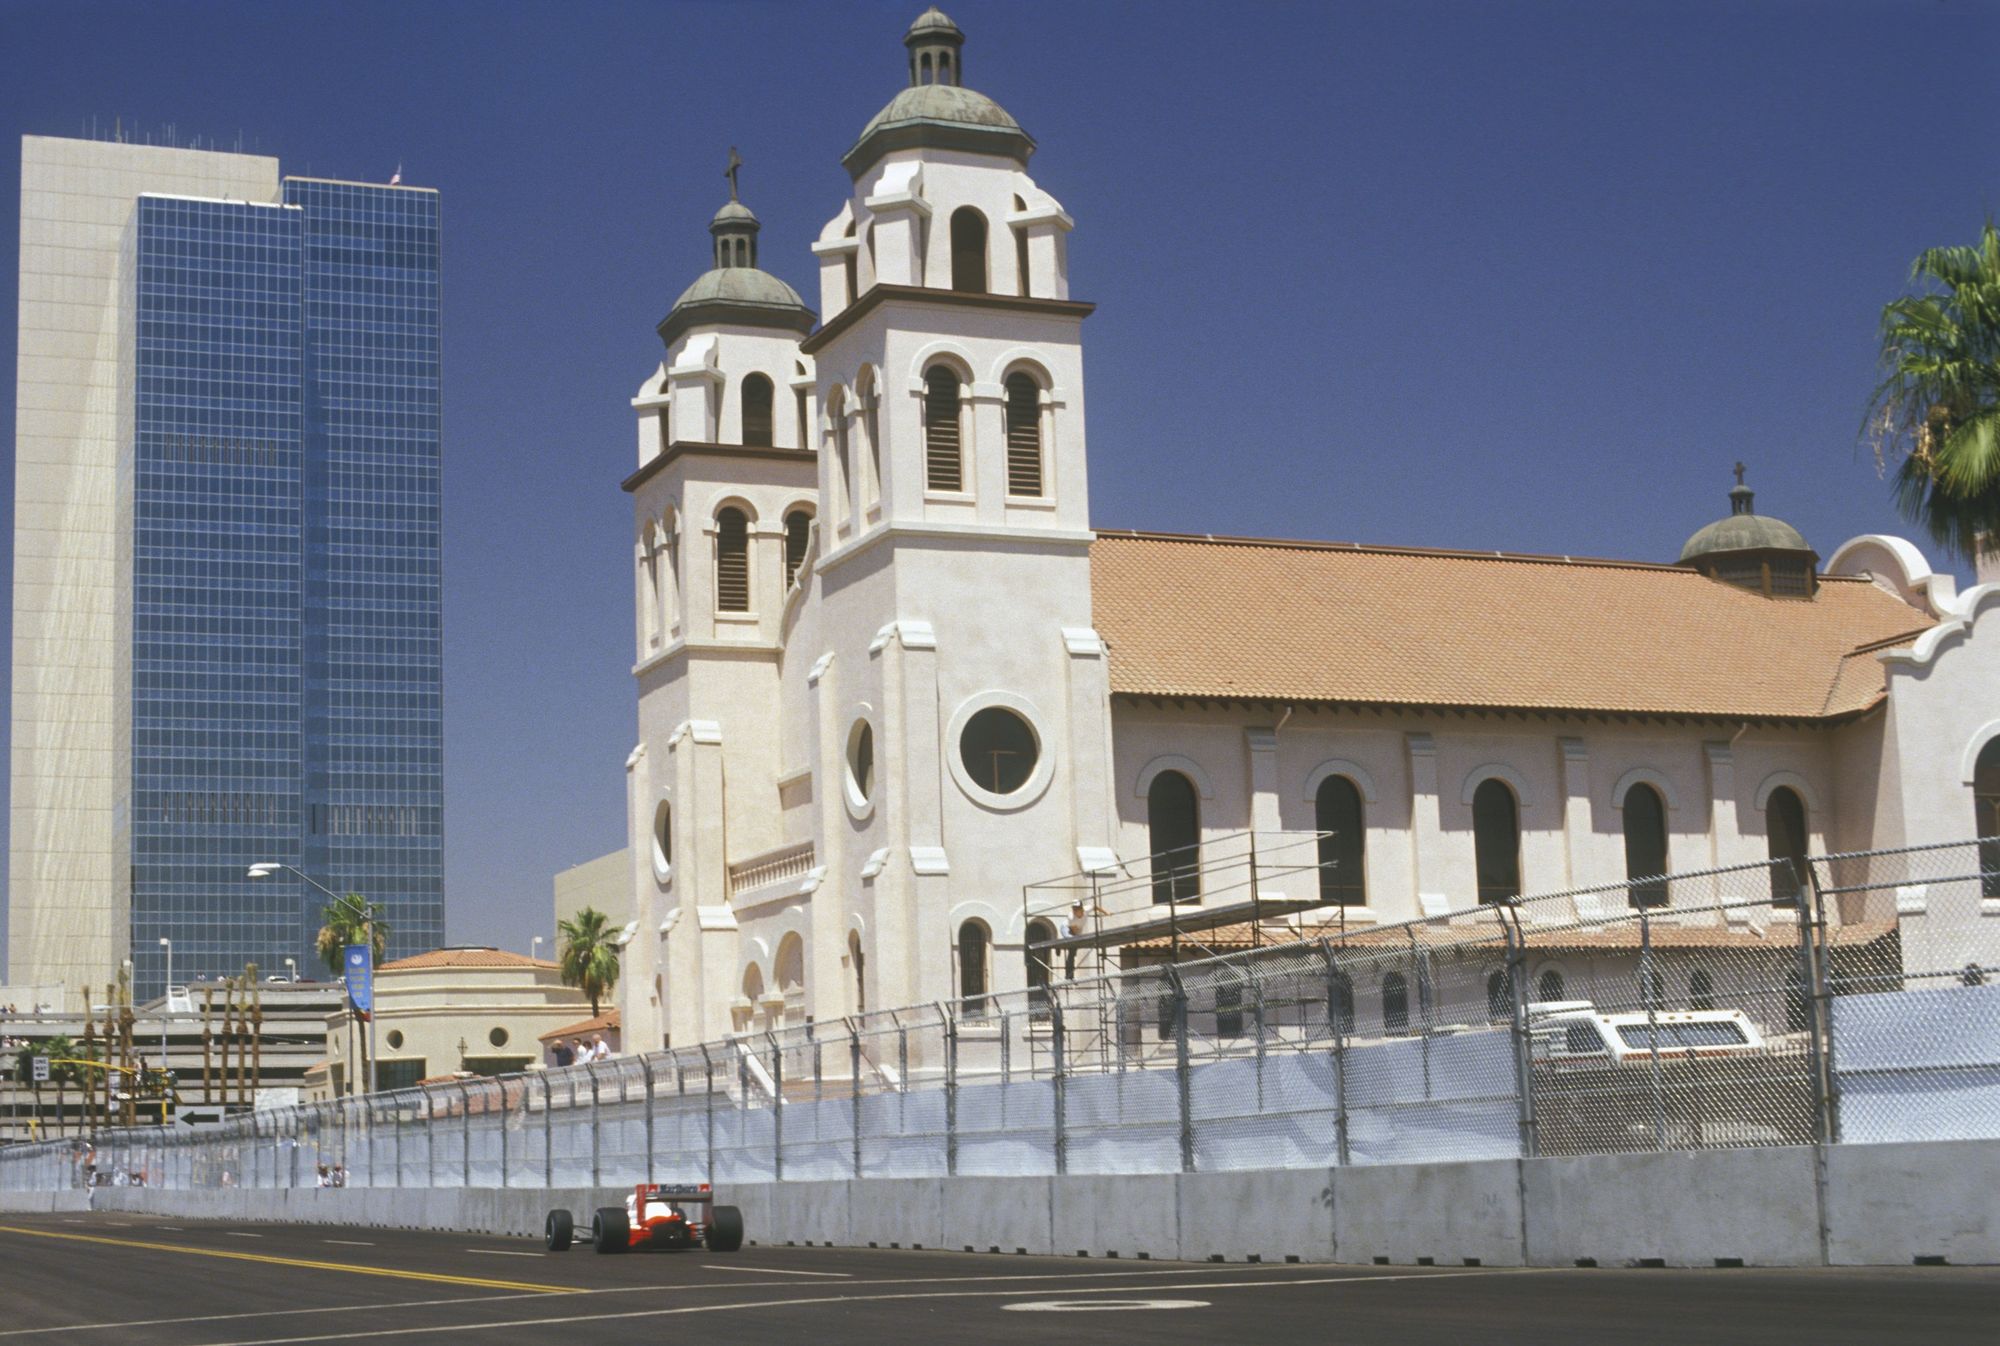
394, 1273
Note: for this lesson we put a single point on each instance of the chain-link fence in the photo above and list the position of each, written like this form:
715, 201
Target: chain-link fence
1858, 1001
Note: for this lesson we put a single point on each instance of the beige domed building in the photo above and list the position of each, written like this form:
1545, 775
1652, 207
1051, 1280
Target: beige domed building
889, 677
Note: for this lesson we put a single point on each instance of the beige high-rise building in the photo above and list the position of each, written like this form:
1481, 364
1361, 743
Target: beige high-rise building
68, 888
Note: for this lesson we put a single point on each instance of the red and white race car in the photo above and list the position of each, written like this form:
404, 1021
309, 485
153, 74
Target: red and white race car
655, 1216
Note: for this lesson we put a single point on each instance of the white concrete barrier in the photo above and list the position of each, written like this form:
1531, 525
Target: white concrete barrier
1451, 1214
1852, 1205
1701, 1208
1893, 1204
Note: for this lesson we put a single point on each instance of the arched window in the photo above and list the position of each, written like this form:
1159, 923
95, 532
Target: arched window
798, 531
1173, 822
943, 465
1024, 436
972, 968
851, 266
968, 250
756, 411
732, 561
790, 968
1785, 830
1340, 1004
1337, 818
1986, 816
1229, 1004
1701, 990
1395, 1004
1499, 995
843, 482
1646, 846
803, 415
1652, 989
1496, 841
1549, 987
858, 966
1020, 251
1037, 960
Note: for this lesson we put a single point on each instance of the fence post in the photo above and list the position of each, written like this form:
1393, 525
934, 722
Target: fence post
430, 1138
1647, 975
1056, 1083
1812, 973
504, 1110
465, 1143
646, 1069
854, 1112
950, 1089
596, 1129
708, 1094
1181, 1081
548, 1130
1524, 1064
777, 1108
1337, 1021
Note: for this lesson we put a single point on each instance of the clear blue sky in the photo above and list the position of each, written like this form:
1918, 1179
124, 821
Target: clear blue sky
1525, 276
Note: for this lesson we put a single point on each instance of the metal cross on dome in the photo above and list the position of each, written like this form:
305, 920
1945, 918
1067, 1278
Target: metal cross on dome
1739, 466
735, 163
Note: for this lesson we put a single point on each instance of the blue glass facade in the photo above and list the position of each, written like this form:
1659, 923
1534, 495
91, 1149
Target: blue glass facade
286, 661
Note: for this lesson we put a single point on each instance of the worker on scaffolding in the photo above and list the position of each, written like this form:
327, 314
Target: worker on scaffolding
1072, 928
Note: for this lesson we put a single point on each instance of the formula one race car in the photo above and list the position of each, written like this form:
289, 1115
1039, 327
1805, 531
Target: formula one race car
653, 1218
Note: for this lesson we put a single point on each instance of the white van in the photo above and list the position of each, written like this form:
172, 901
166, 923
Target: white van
1572, 1032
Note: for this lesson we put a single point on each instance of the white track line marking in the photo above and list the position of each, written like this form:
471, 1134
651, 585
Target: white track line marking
501, 1252
349, 1243
239, 1234
774, 1271
571, 1320
263, 1313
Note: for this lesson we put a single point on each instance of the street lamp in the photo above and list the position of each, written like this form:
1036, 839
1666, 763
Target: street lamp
167, 1004
292, 968
264, 869
535, 947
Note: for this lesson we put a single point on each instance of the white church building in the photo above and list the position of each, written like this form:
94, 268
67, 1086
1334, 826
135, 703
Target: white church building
889, 677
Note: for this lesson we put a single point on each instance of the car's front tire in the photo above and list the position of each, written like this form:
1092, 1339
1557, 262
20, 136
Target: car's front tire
560, 1231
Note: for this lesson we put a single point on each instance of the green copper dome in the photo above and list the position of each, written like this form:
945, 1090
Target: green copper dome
937, 110
1743, 531
1750, 551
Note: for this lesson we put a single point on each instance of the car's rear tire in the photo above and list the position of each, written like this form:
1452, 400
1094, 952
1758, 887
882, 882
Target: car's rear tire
725, 1230
609, 1232
560, 1231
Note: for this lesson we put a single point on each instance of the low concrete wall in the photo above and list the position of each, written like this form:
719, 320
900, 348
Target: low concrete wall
1850, 1205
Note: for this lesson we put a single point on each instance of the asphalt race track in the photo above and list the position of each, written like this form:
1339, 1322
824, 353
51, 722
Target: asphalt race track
89, 1279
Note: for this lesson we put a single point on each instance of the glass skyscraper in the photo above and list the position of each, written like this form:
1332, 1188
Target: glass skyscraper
276, 616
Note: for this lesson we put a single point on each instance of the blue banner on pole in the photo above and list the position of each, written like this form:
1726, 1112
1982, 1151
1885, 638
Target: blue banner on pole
360, 977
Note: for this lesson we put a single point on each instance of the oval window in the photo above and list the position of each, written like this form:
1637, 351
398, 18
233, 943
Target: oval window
999, 750
395, 1040
663, 840
861, 761
498, 1037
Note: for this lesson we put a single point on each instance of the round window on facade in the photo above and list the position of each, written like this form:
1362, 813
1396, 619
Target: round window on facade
498, 1037
395, 1040
663, 840
999, 750
861, 762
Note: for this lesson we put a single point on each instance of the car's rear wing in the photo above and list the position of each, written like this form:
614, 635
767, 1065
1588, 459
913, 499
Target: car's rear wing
671, 1192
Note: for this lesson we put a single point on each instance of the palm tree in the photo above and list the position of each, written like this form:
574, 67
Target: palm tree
61, 1050
589, 955
1936, 413
352, 920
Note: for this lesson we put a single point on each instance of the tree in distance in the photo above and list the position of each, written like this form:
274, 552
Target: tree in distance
1936, 414
588, 955
352, 920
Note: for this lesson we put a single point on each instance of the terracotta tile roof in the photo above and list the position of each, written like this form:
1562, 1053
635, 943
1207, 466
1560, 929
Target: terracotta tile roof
603, 1023
464, 957
1303, 621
